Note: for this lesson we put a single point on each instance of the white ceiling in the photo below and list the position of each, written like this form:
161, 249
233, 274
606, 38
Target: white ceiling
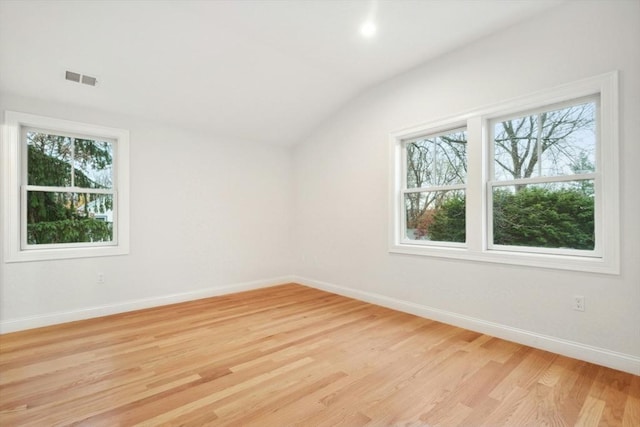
266, 70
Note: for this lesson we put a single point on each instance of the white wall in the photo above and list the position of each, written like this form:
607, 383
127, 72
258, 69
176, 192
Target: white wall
341, 196
208, 216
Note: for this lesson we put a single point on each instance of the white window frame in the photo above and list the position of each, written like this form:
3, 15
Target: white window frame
594, 176
15, 189
405, 190
604, 259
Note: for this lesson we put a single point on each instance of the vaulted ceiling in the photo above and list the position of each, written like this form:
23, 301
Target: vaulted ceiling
268, 71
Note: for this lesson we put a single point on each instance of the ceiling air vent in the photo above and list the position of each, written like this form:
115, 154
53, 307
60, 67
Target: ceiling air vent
71, 76
80, 78
88, 80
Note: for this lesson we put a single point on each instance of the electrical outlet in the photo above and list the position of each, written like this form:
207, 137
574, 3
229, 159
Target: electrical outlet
578, 302
100, 279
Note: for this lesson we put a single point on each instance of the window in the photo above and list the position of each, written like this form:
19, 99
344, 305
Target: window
531, 181
65, 189
543, 180
434, 187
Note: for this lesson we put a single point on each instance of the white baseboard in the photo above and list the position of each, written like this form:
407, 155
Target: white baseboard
48, 319
600, 356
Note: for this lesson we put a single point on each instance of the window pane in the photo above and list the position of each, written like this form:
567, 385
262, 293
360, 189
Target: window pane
49, 159
439, 160
436, 216
555, 215
93, 163
550, 143
69, 217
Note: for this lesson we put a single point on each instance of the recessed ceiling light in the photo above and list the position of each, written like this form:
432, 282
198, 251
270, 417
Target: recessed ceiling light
368, 29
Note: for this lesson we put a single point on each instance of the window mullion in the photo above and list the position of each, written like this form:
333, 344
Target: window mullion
538, 142
474, 194
72, 162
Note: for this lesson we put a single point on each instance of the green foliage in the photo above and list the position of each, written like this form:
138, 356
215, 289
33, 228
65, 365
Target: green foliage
543, 217
534, 217
69, 231
448, 221
48, 169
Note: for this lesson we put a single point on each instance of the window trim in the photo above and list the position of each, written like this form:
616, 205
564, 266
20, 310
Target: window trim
14, 166
492, 182
478, 151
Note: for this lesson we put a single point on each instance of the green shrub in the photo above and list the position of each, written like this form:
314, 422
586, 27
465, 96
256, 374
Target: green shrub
69, 231
531, 216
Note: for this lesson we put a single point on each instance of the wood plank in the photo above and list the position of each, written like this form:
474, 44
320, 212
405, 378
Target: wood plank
292, 355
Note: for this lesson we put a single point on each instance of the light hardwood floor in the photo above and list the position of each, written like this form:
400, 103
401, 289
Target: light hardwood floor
291, 355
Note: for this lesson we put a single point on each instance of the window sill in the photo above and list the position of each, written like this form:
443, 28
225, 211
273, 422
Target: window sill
66, 253
556, 262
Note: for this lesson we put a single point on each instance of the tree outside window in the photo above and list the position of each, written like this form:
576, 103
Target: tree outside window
69, 191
